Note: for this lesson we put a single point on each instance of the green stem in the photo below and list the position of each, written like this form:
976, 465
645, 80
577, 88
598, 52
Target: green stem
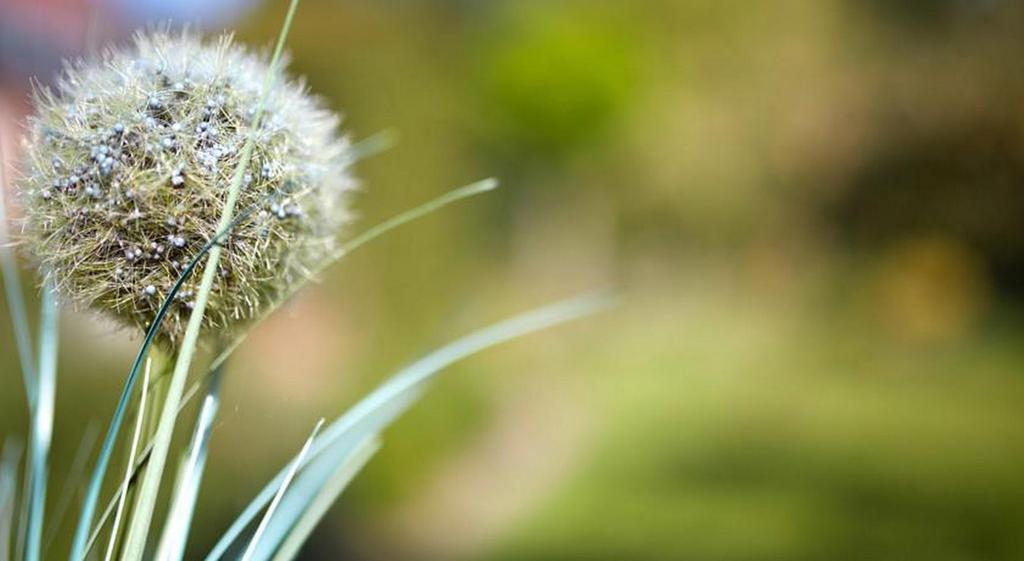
42, 425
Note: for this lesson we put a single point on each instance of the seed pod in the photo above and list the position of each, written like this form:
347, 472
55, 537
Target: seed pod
128, 164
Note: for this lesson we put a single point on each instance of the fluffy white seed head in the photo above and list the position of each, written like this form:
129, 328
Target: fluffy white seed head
128, 164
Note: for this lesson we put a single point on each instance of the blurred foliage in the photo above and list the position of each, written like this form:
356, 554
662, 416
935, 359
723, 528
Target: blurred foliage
551, 79
813, 208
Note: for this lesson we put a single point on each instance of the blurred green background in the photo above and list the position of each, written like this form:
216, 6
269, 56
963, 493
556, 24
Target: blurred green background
813, 210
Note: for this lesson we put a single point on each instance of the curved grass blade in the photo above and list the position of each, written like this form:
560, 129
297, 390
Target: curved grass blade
448, 198
377, 410
139, 464
140, 417
327, 494
255, 541
42, 422
304, 491
78, 549
310, 497
138, 529
179, 518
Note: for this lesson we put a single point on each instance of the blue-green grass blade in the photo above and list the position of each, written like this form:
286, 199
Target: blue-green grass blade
372, 145
313, 477
327, 494
183, 503
140, 419
377, 410
108, 512
257, 536
42, 421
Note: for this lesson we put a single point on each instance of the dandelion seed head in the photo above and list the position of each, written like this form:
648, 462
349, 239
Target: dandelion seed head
138, 150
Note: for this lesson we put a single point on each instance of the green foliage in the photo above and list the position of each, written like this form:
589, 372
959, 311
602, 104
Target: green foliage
553, 81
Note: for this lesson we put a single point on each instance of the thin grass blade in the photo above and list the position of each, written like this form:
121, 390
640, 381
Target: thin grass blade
377, 410
42, 422
372, 145
311, 479
272, 509
320, 485
140, 418
179, 518
369, 235
139, 464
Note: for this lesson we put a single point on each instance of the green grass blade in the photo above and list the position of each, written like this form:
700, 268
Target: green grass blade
10, 456
138, 529
140, 417
369, 235
179, 518
143, 458
272, 509
15, 297
452, 196
372, 145
319, 486
374, 412
311, 480
42, 422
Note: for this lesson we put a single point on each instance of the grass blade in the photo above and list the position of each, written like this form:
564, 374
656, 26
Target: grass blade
255, 541
42, 422
138, 529
448, 198
179, 518
324, 492
482, 186
15, 297
304, 491
374, 412
9, 458
372, 145
136, 436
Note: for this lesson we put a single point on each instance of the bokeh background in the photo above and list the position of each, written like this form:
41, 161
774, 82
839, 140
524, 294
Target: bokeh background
813, 211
